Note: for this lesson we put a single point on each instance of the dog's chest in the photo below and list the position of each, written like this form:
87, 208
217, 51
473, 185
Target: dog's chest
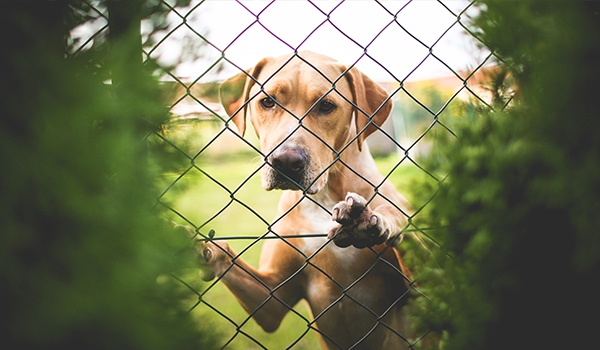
319, 217
317, 211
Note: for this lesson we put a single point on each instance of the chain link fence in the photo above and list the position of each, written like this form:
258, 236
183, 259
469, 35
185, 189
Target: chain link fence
217, 188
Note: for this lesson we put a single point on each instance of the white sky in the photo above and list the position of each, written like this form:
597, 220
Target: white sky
293, 21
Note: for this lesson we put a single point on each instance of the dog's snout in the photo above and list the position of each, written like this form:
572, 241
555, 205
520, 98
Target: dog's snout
290, 161
290, 167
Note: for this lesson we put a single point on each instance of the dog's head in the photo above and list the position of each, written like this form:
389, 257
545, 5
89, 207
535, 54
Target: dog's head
305, 109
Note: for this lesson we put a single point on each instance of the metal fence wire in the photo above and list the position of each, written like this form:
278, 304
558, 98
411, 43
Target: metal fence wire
218, 187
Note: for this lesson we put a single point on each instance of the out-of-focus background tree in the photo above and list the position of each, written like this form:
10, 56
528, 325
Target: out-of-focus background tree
84, 258
519, 261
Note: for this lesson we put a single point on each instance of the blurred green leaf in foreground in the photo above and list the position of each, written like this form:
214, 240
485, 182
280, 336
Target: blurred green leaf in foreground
519, 261
81, 246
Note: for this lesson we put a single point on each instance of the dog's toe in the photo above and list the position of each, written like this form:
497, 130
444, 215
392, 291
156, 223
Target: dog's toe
344, 240
340, 237
356, 204
348, 211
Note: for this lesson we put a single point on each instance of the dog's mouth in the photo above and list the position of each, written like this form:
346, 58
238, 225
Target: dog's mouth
274, 179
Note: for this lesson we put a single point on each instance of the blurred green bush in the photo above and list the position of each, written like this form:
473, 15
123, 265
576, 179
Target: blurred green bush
519, 261
81, 246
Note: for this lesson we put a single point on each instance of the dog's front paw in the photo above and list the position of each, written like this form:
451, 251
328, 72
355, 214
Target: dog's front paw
357, 225
214, 258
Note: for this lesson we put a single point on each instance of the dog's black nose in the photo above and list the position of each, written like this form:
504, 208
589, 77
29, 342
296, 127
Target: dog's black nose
290, 161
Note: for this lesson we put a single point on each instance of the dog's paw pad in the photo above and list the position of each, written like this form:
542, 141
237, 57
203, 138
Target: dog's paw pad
358, 226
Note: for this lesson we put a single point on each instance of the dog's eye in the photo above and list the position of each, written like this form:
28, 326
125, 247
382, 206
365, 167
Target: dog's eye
326, 107
267, 103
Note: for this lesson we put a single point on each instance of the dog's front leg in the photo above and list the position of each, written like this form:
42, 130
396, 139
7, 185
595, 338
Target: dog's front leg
362, 227
261, 292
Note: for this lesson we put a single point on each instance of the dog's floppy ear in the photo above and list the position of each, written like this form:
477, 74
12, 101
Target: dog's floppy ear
235, 91
368, 96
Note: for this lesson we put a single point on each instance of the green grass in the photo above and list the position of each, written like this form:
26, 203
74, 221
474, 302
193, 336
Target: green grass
208, 204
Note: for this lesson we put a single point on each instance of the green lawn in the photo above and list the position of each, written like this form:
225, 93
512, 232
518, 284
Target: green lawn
209, 204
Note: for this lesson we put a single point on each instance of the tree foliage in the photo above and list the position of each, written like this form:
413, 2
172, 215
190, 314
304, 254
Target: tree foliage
520, 252
82, 248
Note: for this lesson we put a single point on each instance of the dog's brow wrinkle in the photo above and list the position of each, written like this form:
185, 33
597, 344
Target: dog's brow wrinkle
317, 94
279, 88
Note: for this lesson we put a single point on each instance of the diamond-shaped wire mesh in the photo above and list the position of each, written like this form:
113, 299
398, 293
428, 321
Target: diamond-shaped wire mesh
223, 179
94, 28
218, 185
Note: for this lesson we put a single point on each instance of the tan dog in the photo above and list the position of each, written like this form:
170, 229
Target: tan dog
312, 137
